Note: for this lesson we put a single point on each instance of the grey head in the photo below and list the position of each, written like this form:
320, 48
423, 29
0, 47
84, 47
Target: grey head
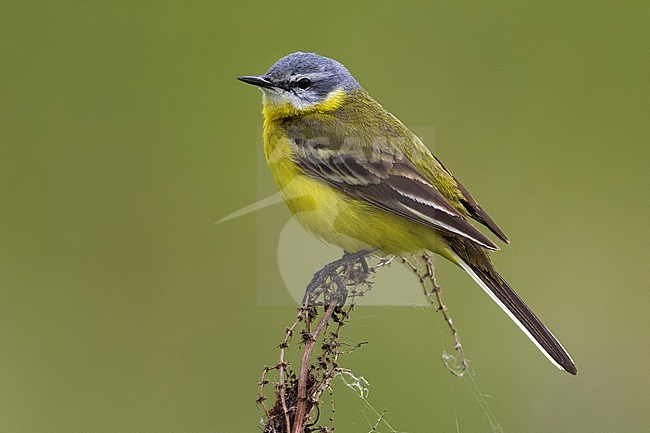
303, 79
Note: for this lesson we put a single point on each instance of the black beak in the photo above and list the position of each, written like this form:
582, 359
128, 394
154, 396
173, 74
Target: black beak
258, 81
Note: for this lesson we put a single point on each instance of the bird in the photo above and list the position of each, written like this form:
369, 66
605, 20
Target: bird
355, 176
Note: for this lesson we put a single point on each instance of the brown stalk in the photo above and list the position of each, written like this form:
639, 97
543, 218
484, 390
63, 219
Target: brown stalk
304, 368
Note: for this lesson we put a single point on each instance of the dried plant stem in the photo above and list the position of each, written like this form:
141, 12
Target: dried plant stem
335, 289
427, 277
297, 397
304, 368
283, 366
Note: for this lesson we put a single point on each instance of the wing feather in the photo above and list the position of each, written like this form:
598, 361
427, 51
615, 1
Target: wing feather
386, 180
475, 210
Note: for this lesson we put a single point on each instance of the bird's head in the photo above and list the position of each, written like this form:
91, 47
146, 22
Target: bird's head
303, 82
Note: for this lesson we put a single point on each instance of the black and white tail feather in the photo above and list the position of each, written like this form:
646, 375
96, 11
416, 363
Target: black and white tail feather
500, 291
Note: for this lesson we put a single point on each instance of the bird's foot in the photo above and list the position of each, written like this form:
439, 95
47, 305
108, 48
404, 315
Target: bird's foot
339, 273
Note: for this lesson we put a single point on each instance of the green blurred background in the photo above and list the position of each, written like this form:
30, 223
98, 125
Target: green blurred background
124, 136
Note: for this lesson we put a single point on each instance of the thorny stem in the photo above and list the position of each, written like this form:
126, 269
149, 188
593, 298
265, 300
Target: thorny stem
298, 398
283, 366
435, 299
332, 346
304, 368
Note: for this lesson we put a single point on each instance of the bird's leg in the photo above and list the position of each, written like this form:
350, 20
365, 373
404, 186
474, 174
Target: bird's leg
364, 265
341, 295
330, 271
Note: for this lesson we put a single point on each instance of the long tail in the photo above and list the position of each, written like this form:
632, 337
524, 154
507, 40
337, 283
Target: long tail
477, 264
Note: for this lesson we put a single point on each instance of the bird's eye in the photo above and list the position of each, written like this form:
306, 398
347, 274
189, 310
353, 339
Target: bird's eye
303, 83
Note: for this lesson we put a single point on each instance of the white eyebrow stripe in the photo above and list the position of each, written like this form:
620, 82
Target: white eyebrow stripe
315, 75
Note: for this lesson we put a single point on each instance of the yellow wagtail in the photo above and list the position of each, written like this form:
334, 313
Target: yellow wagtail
356, 177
